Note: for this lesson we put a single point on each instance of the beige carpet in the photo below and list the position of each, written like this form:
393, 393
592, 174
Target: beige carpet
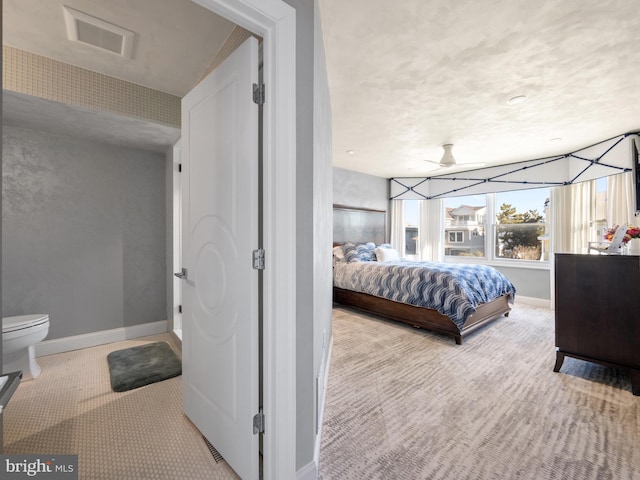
406, 404
140, 434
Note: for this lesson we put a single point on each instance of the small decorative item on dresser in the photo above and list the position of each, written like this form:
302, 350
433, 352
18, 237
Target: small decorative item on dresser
632, 232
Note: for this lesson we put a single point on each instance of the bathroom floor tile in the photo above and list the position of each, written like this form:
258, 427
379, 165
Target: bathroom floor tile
140, 434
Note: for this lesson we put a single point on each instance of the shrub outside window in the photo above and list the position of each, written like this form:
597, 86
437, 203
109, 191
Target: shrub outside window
521, 231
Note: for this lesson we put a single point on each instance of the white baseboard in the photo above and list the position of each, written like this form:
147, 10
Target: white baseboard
534, 302
76, 342
308, 472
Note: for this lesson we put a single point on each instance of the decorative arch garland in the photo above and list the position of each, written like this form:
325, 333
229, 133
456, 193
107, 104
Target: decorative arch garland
579, 166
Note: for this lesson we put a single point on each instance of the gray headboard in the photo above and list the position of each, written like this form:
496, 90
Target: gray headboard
358, 225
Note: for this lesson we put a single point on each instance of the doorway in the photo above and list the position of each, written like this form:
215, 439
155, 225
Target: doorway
275, 22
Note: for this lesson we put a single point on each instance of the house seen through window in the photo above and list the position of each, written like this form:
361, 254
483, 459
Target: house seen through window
465, 225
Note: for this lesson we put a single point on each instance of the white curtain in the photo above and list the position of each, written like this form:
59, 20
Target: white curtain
397, 225
572, 212
621, 204
431, 230
620, 199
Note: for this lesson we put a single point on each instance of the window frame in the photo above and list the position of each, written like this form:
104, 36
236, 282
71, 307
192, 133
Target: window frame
406, 225
490, 234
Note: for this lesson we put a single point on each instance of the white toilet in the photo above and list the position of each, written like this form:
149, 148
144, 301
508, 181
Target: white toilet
19, 336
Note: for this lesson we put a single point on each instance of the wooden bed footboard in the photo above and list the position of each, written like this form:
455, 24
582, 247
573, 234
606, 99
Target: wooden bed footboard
421, 317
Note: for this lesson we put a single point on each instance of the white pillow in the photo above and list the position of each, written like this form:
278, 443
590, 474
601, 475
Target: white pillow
338, 254
387, 254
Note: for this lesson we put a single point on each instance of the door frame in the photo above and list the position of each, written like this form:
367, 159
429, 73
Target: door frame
275, 22
176, 254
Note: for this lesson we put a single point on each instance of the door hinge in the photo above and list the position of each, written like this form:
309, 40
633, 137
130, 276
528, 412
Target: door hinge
258, 93
258, 259
179, 308
179, 167
258, 422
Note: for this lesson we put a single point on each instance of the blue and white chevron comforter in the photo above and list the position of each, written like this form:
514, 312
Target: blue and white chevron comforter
455, 290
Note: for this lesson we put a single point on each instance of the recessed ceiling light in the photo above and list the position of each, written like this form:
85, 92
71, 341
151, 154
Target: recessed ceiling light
351, 152
516, 100
556, 139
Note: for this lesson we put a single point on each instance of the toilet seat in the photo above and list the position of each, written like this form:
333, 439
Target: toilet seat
22, 322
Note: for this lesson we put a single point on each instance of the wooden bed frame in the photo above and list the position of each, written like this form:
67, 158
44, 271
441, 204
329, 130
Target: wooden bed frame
420, 317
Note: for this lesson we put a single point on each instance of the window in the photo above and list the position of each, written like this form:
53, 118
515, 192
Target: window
410, 240
599, 224
521, 228
465, 224
411, 229
456, 237
506, 226
498, 226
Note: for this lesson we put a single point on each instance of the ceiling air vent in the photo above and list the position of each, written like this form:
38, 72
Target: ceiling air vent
94, 31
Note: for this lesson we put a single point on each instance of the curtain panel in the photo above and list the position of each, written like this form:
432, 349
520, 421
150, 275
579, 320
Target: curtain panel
621, 205
572, 212
397, 225
431, 230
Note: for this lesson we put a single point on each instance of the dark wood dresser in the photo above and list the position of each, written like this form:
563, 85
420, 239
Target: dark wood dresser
597, 300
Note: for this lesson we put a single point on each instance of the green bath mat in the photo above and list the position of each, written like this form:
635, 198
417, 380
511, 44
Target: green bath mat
138, 366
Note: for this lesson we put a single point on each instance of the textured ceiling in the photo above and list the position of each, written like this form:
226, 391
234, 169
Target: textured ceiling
407, 77
176, 40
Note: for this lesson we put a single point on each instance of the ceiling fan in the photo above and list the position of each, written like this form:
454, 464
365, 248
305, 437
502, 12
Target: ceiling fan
448, 161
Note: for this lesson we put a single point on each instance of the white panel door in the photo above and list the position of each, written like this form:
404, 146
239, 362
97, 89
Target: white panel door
220, 232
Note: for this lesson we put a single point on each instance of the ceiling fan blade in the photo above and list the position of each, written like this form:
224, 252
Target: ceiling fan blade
448, 160
471, 164
437, 163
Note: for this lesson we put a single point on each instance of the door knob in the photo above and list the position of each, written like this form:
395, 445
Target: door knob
182, 274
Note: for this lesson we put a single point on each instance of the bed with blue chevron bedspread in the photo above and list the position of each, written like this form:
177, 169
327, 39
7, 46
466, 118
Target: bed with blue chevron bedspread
453, 289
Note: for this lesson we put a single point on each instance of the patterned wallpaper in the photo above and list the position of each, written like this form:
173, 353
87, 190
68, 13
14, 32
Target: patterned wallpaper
50, 79
43, 77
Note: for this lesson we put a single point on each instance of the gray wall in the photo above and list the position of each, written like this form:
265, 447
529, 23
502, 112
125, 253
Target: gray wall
305, 247
84, 232
354, 189
322, 215
313, 222
1, 162
529, 282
